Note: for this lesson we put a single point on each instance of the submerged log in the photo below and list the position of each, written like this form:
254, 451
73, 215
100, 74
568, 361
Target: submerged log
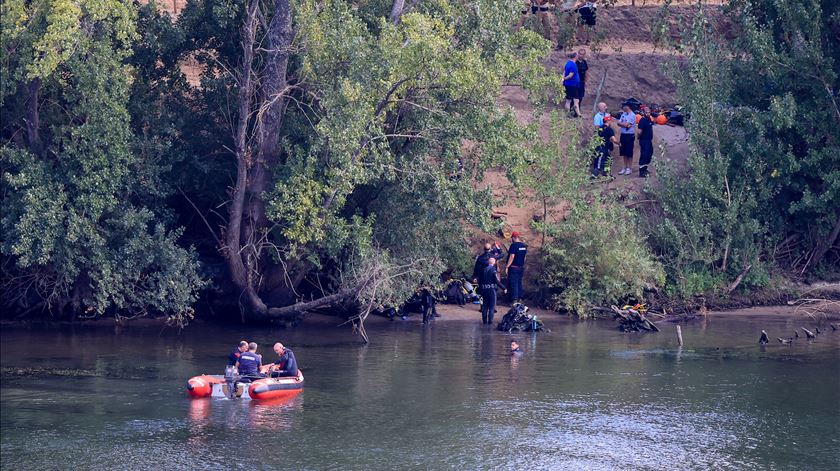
631, 320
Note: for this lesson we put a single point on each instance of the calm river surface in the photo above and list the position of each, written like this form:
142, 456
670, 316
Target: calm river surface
445, 397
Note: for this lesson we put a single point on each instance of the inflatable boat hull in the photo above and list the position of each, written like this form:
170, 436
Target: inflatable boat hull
272, 388
261, 389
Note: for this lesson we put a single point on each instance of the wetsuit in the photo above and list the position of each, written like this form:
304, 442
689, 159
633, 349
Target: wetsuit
516, 271
480, 263
286, 365
249, 366
489, 281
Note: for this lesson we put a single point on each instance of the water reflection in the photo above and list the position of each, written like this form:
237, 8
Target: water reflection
445, 396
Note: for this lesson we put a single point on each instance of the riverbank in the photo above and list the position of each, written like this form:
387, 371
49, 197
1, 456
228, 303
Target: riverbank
470, 313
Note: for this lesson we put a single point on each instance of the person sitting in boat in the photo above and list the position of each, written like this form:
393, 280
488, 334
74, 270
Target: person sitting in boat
285, 366
234, 355
249, 364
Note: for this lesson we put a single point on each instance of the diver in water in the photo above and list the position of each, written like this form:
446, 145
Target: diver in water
234, 355
286, 364
514, 348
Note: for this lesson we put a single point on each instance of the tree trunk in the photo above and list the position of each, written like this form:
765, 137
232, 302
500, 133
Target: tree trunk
268, 123
396, 11
246, 232
297, 309
33, 119
234, 251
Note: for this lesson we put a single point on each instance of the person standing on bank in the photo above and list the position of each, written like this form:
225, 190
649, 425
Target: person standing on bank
582, 66
598, 119
489, 282
481, 262
516, 266
627, 140
571, 82
645, 141
601, 162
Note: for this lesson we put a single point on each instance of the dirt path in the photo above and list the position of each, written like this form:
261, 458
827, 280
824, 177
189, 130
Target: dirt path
631, 66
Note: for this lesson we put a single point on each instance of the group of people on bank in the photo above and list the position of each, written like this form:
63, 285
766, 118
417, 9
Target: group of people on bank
486, 274
632, 127
250, 366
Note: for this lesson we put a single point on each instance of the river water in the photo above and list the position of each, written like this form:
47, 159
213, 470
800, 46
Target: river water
448, 396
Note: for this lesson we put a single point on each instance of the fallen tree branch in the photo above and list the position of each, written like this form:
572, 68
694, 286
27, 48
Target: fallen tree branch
296, 310
738, 279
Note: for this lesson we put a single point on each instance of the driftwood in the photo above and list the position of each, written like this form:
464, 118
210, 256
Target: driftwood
631, 320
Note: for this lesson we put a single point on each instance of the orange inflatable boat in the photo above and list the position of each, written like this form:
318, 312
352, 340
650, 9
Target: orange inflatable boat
231, 387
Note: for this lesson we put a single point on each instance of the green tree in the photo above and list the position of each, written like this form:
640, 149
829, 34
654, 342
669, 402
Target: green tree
77, 236
592, 252
349, 133
764, 162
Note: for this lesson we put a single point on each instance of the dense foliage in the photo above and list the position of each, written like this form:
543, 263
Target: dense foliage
764, 191
323, 148
83, 225
592, 252
318, 153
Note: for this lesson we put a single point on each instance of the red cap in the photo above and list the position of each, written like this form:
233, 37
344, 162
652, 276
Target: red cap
608, 118
515, 234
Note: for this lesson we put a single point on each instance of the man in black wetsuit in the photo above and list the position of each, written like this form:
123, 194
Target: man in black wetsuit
234, 355
286, 364
488, 283
481, 262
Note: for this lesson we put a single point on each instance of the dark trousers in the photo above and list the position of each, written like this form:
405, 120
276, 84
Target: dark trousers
515, 275
600, 163
645, 156
581, 91
488, 305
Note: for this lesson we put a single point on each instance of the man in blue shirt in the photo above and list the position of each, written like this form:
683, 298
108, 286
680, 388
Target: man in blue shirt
516, 266
598, 120
627, 139
249, 364
571, 82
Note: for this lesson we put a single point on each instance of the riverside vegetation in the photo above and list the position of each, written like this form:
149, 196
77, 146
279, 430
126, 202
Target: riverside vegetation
333, 153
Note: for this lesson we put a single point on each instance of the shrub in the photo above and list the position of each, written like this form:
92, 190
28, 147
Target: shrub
597, 257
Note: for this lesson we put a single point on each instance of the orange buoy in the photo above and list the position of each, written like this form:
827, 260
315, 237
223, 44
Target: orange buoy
638, 118
661, 119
